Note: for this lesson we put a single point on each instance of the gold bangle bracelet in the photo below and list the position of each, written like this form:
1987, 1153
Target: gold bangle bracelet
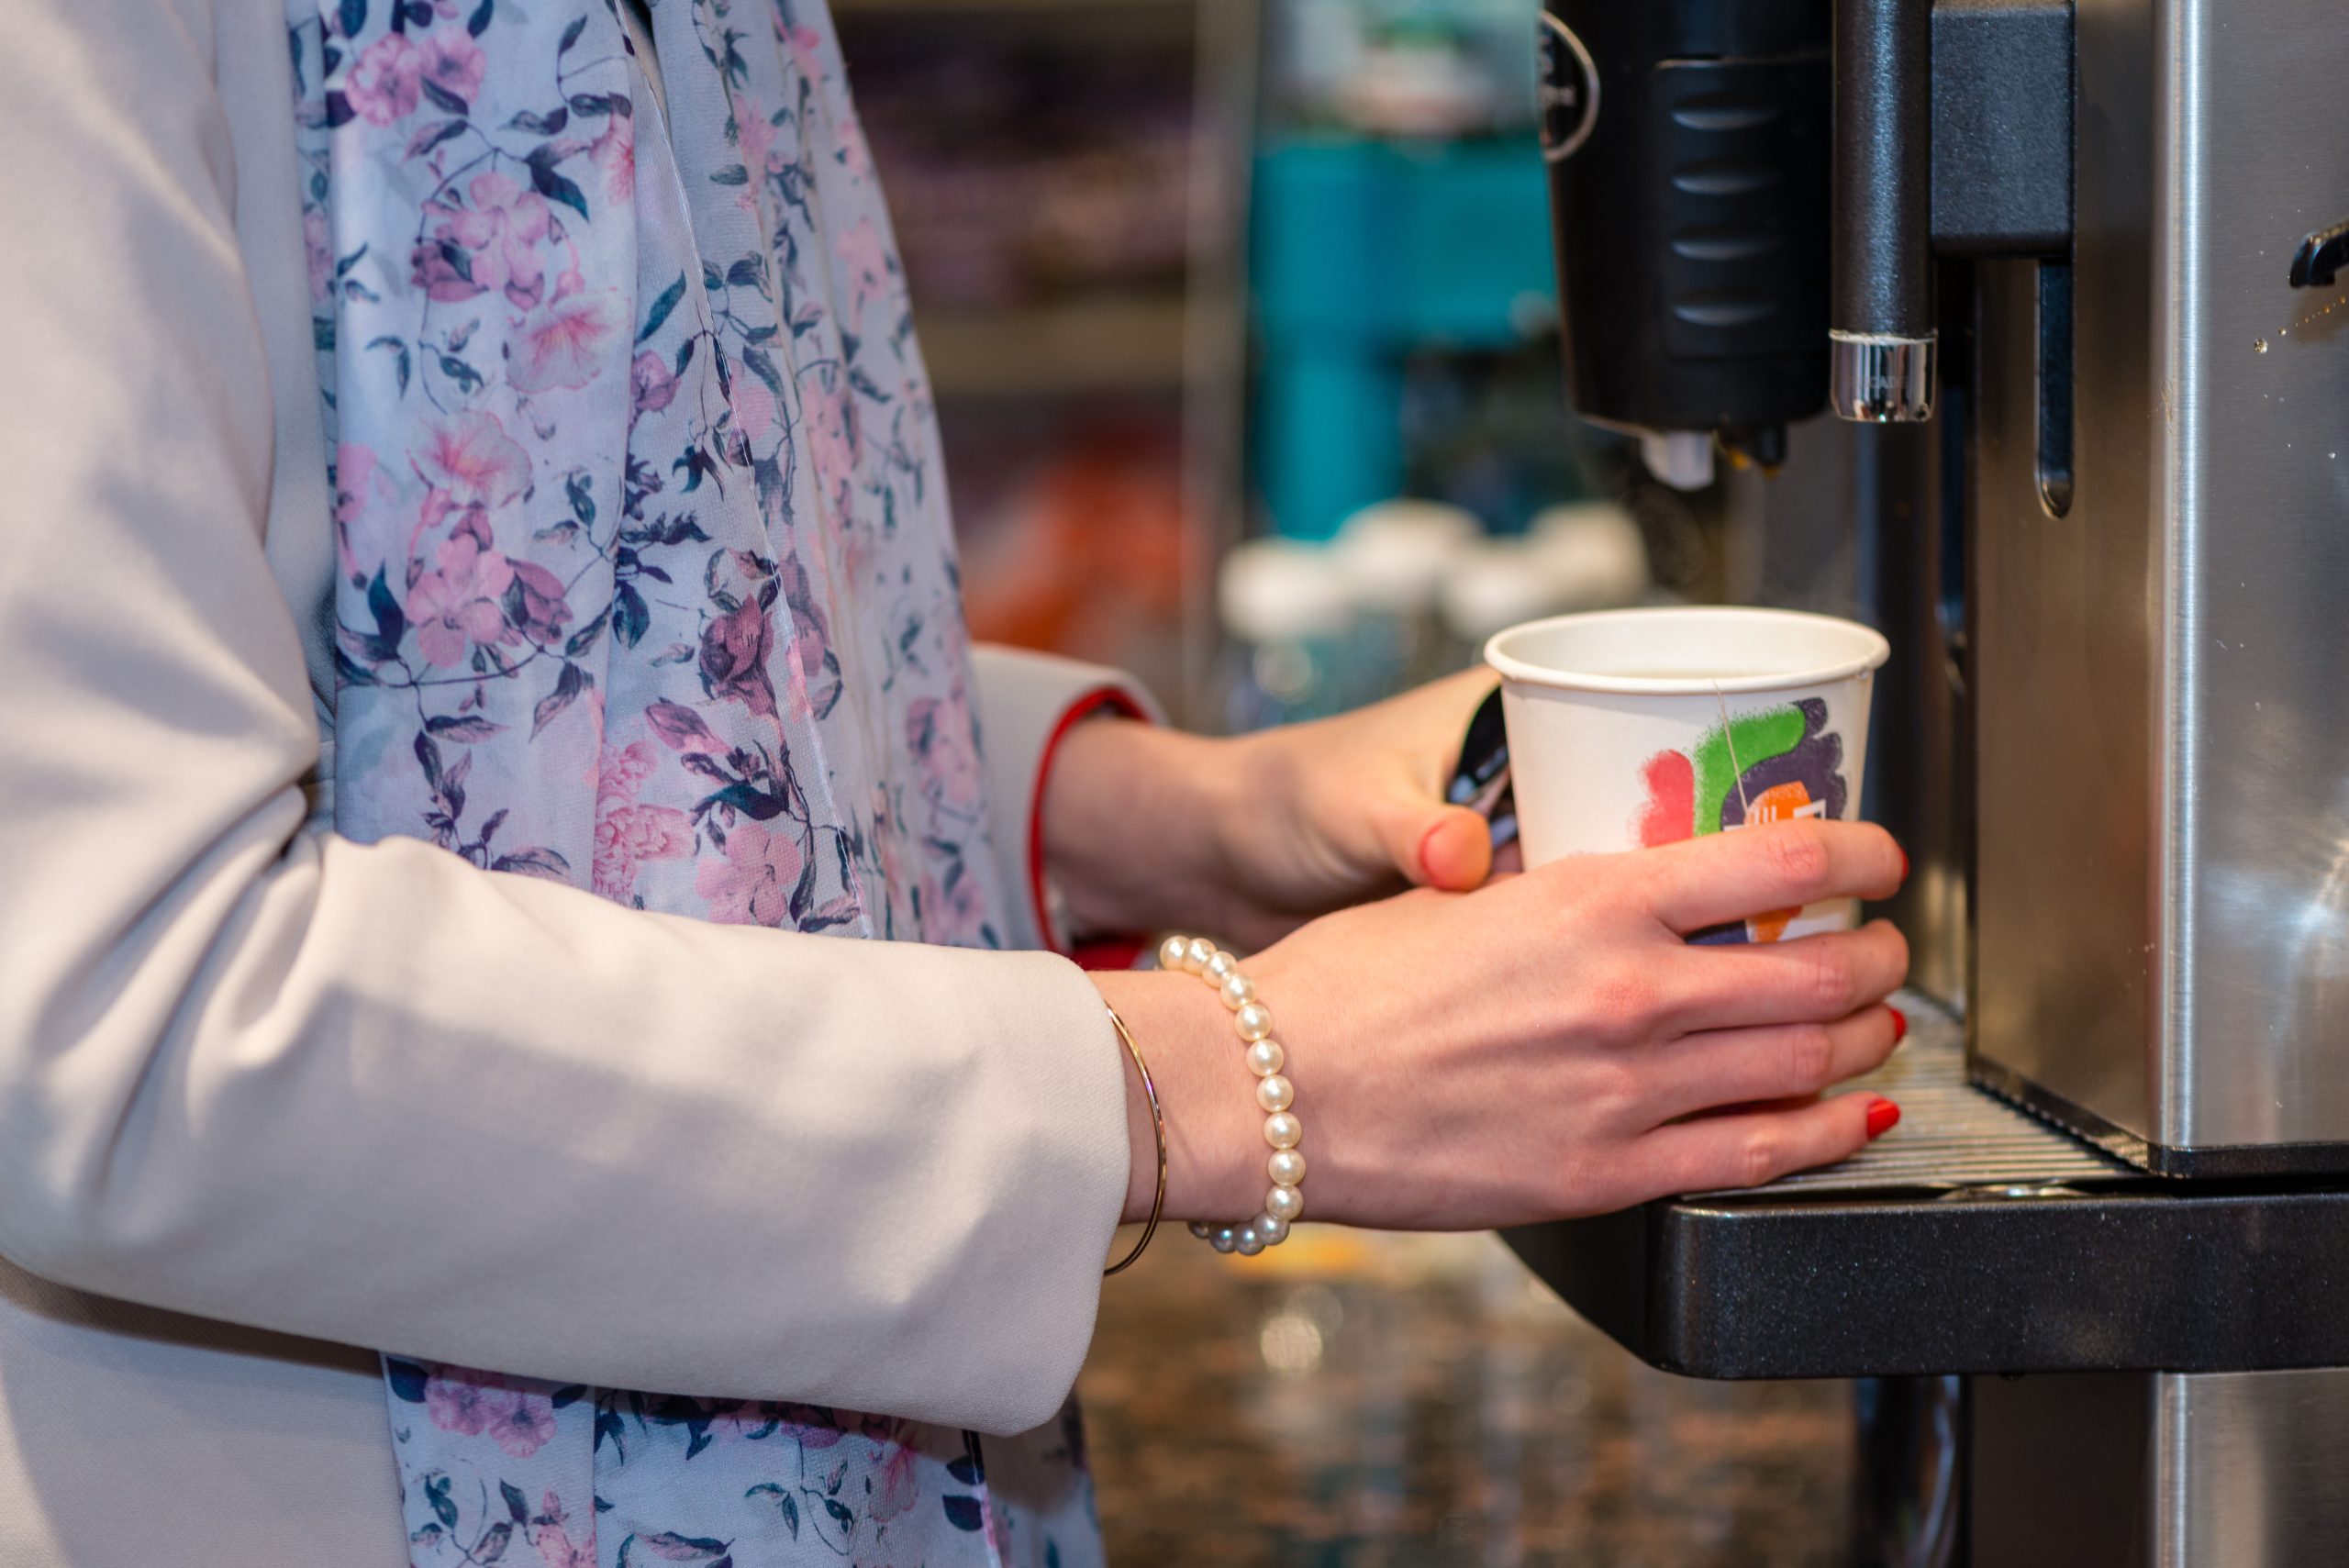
1158, 1126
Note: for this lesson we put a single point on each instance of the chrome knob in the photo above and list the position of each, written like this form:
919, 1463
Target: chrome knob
1881, 379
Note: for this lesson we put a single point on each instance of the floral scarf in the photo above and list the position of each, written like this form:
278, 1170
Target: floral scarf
645, 584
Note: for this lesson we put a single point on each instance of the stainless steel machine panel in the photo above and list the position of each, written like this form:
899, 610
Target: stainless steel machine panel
2163, 671
2217, 1470
2248, 1468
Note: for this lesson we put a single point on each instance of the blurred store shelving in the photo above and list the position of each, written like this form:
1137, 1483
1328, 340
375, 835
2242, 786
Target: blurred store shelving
1068, 179
1194, 272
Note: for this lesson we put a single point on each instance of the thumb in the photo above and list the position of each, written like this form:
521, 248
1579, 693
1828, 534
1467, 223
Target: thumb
1434, 845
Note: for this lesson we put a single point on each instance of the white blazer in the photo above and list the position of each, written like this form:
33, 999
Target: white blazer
890, 1171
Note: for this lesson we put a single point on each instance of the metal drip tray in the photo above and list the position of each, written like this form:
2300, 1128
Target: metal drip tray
1952, 1135
1974, 1237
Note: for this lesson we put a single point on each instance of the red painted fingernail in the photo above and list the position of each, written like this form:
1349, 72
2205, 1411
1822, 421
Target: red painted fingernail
1883, 1117
1904, 863
1427, 872
1899, 1025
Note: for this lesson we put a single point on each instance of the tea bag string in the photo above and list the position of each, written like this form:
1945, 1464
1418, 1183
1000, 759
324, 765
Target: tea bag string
1736, 768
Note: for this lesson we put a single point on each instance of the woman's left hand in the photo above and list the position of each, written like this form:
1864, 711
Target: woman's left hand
1253, 836
1353, 807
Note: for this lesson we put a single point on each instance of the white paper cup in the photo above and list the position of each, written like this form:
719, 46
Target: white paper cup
1636, 728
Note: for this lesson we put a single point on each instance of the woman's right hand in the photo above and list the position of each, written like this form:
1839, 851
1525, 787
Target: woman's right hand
1547, 1046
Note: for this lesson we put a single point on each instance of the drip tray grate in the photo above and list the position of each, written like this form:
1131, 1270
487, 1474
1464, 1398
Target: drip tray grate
1952, 1134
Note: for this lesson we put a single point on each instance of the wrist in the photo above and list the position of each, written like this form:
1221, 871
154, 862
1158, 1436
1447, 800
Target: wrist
1215, 1146
1135, 827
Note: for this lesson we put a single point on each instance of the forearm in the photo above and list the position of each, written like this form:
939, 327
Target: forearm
1245, 839
1134, 825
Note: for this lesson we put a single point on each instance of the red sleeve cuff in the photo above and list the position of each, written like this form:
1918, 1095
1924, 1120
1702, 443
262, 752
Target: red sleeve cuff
1101, 953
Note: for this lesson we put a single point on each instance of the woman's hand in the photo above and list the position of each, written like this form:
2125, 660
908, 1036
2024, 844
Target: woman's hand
1544, 1047
1249, 837
1353, 807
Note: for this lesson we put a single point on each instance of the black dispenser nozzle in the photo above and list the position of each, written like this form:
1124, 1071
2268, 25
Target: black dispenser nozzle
1881, 330
1687, 150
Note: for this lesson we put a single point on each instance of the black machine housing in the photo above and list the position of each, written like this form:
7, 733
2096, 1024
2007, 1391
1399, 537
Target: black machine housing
1688, 151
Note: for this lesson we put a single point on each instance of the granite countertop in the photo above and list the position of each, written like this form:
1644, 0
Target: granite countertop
1352, 1399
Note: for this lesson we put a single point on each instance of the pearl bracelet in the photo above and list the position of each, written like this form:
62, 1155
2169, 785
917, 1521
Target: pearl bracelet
1275, 1094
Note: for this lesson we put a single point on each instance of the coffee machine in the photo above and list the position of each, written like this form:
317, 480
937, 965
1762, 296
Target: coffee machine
2029, 310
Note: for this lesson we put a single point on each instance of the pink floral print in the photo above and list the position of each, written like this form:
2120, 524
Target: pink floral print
563, 344
459, 1401
864, 261
549, 1537
946, 761
736, 647
483, 1404
629, 834
318, 253
897, 1482
753, 885
520, 1423
383, 81
651, 386
468, 455
645, 584
460, 604
614, 152
490, 241
451, 61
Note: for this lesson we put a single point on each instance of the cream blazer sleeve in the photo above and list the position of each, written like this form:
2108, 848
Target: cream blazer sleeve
256, 1073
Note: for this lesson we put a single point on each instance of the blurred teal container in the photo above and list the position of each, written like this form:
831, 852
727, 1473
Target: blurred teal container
1364, 252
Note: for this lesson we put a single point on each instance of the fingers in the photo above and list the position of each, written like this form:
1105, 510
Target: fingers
1811, 980
1747, 1150
1455, 851
1785, 865
1432, 844
1754, 1067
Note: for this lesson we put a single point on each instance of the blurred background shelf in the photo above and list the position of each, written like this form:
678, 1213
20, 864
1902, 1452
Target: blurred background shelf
1068, 180
1110, 343
1190, 273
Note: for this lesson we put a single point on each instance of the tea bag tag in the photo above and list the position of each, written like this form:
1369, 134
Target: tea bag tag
1736, 768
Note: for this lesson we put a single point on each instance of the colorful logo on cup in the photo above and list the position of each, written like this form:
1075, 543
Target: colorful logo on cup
1770, 765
